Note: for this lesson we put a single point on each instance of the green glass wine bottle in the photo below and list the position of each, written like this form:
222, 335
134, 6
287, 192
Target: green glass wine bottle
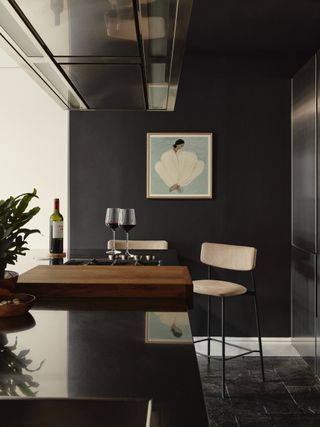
56, 229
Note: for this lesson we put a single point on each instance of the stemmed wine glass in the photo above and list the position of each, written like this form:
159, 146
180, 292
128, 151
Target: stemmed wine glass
111, 221
126, 221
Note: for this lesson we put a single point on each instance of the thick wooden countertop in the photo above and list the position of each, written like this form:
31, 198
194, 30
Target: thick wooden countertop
107, 281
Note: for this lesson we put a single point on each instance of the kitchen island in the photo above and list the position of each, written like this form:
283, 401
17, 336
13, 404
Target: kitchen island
100, 365
122, 355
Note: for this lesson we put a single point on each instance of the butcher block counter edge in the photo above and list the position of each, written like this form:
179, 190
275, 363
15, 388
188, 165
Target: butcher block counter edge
107, 281
101, 274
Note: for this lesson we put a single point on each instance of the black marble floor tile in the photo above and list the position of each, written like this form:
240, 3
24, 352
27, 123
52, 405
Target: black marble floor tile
245, 367
290, 395
295, 371
220, 415
306, 397
273, 397
289, 420
255, 421
211, 386
248, 407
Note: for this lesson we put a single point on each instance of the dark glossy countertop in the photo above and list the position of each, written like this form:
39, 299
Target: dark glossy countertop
103, 354
163, 257
100, 365
41, 257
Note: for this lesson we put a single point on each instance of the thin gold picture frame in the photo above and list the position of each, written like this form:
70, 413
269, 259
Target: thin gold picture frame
209, 165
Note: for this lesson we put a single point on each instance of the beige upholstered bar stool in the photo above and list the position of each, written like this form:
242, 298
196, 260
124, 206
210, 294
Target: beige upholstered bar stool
139, 244
230, 257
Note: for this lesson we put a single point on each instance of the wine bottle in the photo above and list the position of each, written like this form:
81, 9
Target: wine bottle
56, 229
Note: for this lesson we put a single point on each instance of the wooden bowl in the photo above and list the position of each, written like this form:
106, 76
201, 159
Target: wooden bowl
11, 310
16, 323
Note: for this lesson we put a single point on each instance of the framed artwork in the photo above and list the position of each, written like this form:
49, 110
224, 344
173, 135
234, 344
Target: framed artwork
179, 165
167, 328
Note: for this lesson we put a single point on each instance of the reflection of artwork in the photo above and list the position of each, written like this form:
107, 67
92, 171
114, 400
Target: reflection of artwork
179, 165
167, 328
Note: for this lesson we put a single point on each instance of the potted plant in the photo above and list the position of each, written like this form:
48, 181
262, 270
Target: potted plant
13, 234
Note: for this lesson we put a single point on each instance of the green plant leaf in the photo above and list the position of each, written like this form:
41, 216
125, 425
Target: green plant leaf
13, 235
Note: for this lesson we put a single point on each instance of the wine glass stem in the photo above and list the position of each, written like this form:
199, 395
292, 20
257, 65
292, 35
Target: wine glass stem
114, 240
127, 243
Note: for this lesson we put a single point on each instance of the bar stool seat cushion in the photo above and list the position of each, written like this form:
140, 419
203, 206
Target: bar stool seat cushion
218, 288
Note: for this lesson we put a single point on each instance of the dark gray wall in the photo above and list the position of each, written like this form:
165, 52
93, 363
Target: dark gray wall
245, 102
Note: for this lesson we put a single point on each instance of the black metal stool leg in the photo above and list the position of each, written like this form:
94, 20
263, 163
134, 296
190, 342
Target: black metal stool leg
209, 326
259, 336
258, 325
223, 347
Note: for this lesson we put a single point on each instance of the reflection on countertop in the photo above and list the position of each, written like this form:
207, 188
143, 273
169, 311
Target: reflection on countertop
45, 341
118, 355
16, 370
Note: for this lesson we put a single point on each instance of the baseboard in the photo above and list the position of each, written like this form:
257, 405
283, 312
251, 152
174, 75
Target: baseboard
271, 346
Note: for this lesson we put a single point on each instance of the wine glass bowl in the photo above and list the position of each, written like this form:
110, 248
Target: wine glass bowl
111, 221
126, 221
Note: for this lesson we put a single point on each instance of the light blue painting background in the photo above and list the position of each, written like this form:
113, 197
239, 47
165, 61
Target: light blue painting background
196, 144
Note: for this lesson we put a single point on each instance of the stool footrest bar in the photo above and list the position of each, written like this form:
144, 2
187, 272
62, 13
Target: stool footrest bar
227, 358
226, 343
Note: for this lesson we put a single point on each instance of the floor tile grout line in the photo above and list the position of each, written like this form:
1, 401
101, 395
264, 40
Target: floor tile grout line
288, 391
297, 404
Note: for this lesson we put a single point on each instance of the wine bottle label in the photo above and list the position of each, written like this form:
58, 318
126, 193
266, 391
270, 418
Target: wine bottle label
57, 229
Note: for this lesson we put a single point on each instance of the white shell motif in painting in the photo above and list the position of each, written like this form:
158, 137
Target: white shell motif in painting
177, 169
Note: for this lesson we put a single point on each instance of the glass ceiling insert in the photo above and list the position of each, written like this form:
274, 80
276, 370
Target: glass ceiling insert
148, 35
82, 27
108, 86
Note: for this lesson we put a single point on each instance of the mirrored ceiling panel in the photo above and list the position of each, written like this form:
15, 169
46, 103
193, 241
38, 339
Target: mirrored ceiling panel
84, 27
102, 54
108, 86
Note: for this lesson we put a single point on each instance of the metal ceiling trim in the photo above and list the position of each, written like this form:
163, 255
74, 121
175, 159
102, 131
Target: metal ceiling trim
180, 37
97, 60
138, 24
179, 13
36, 76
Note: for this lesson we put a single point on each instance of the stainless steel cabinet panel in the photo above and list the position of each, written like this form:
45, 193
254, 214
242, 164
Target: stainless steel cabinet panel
303, 283
317, 309
318, 149
304, 158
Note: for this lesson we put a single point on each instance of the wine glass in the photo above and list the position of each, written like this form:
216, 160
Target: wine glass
111, 221
126, 221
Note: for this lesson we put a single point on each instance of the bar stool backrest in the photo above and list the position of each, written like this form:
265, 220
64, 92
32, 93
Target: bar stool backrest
140, 244
231, 257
